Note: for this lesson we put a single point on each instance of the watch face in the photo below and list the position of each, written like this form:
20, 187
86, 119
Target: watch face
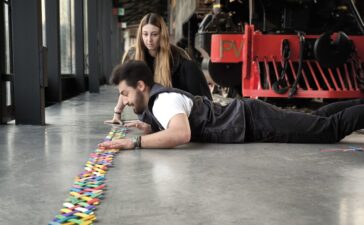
135, 141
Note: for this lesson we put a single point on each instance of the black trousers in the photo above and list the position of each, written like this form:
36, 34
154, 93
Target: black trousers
329, 124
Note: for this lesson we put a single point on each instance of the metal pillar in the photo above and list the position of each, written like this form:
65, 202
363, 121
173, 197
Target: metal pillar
94, 81
29, 79
105, 31
79, 45
54, 88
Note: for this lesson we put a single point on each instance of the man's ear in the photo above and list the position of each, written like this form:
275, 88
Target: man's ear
141, 85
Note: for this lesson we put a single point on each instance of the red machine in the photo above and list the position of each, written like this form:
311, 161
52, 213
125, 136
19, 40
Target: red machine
263, 63
303, 60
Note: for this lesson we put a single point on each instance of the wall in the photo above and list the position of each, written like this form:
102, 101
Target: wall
180, 12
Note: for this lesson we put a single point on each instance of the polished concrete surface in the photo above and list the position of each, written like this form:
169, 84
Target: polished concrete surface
195, 184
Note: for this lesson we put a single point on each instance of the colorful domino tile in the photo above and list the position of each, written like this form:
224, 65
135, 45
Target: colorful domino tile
89, 186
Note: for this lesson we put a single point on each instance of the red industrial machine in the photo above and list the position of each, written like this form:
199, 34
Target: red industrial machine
285, 48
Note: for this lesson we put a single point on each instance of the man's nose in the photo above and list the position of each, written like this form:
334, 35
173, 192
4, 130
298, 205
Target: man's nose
125, 100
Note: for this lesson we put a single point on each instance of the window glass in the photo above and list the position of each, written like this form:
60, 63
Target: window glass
73, 38
67, 37
7, 39
8, 93
44, 24
85, 34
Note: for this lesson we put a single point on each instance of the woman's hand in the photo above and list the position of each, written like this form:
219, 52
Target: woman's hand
146, 128
115, 120
125, 143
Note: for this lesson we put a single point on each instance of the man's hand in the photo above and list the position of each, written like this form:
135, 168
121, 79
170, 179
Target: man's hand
118, 110
115, 120
117, 144
146, 128
177, 133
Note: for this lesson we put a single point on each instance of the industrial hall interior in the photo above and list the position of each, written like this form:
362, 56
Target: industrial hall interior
182, 112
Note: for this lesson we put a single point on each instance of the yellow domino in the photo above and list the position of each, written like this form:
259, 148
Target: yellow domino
89, 218
99, 170
83, 215
86, 198
64, 210
75, 194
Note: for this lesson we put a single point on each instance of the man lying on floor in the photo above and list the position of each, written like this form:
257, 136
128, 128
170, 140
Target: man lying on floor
171, 117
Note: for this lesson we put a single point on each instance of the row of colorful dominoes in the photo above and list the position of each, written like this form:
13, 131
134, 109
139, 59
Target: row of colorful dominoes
89, 186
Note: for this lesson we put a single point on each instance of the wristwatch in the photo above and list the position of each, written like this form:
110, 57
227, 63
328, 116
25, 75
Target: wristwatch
136, 141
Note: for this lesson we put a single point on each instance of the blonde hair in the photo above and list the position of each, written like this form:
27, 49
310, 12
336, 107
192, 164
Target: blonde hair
162, 68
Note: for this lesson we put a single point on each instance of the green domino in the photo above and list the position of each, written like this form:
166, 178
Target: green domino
96, 195
75, 221
98, 183
84, 204
60, 217
79, 183
73, 200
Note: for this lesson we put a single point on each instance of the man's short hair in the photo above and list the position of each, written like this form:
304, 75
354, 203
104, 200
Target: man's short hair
132, 71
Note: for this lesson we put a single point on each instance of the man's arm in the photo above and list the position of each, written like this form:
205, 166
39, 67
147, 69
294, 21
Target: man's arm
177, 133
118, 110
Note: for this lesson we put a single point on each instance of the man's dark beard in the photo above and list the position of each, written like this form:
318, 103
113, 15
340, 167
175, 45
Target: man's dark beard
139, 103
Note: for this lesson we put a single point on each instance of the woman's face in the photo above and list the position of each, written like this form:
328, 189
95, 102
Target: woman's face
151, 37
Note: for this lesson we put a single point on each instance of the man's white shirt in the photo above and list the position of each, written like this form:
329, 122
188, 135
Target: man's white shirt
167, 105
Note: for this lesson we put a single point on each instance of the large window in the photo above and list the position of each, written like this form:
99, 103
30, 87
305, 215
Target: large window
67, 39
7, 38
44, 39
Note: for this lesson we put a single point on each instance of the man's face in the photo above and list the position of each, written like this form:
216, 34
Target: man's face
133, 97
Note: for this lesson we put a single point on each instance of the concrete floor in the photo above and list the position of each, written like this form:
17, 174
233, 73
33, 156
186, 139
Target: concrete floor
195, 184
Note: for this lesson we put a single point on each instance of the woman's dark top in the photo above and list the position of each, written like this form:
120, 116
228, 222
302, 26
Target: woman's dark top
185, 73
